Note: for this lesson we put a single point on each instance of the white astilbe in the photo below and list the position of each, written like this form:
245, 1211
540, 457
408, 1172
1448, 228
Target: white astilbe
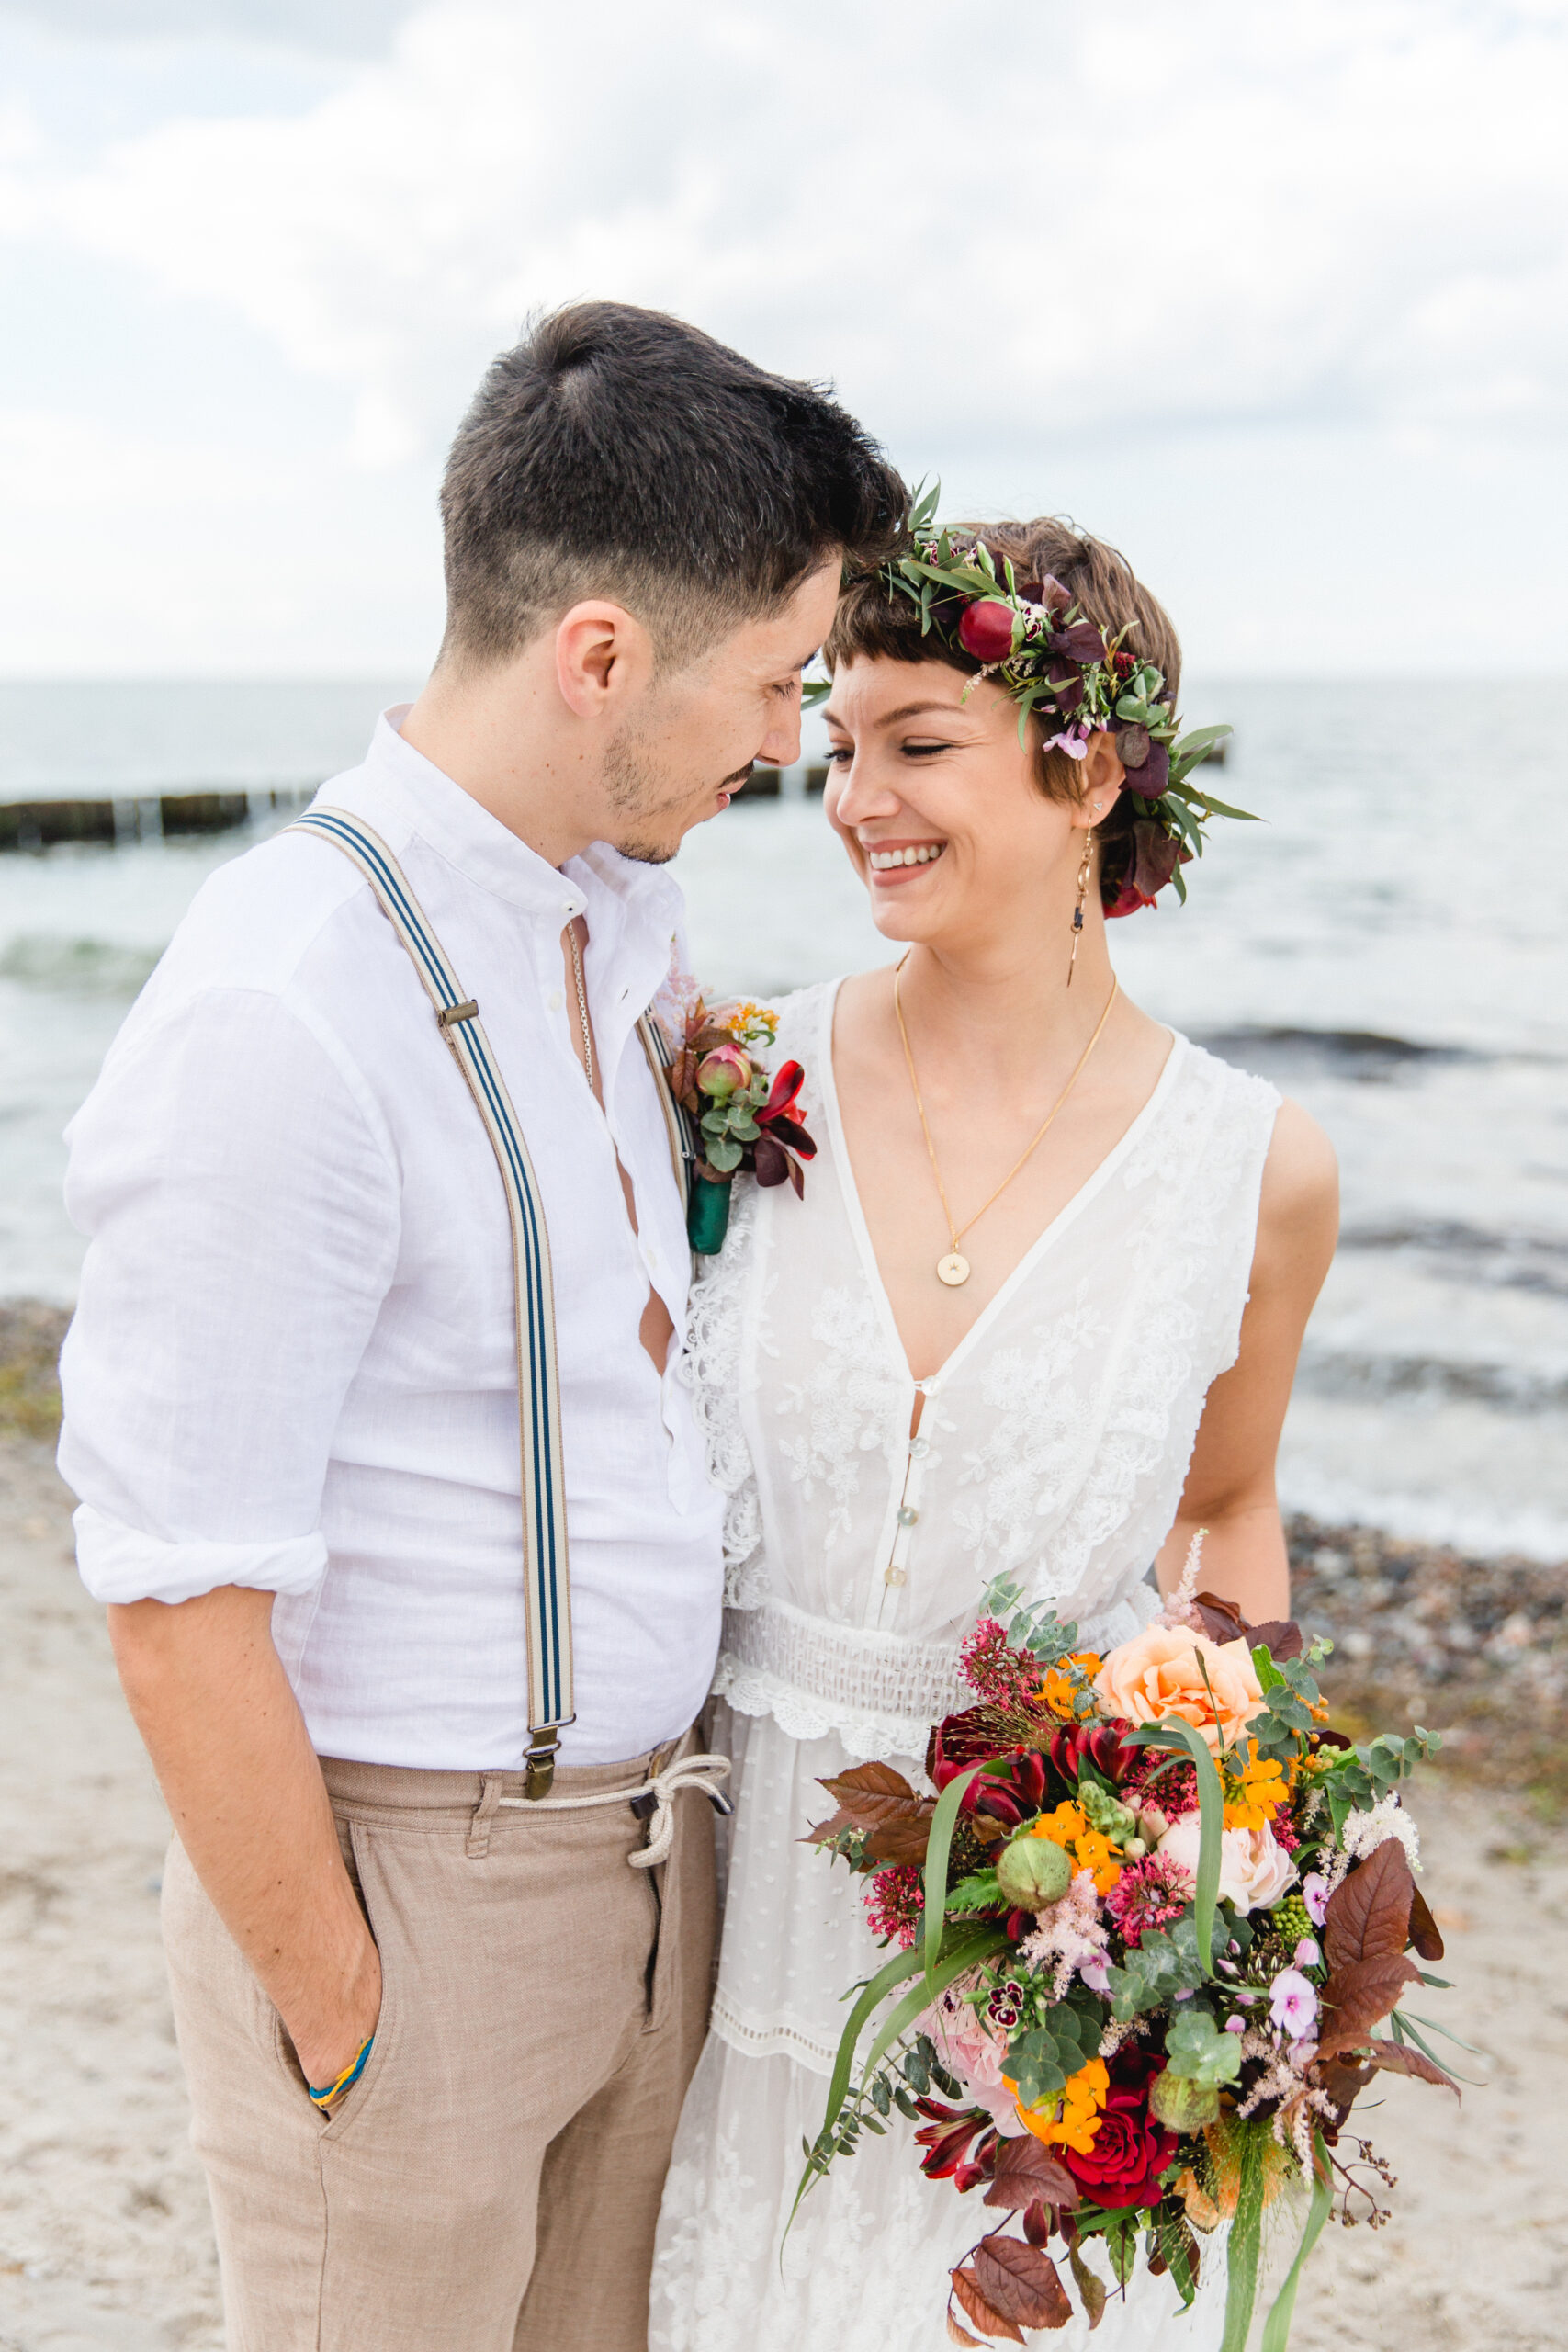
1070, 1934
1364, 1832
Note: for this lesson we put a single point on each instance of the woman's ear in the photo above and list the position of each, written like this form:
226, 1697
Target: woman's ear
1101, 778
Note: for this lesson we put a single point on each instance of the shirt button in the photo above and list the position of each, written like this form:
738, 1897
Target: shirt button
555, 1000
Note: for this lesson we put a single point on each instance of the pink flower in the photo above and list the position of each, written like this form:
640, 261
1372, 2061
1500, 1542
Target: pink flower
975, 2055
1293, 2004
1307, 1954
724, 1072
1314, 1894
1254, 1870
1148, 1895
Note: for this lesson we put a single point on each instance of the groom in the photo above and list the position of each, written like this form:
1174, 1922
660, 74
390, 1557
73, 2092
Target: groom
436, 2024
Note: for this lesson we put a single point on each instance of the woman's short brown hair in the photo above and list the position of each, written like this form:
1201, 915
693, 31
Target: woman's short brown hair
873, 625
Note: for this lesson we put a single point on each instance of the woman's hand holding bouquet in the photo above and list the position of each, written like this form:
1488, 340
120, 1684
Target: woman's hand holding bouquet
1151, 1925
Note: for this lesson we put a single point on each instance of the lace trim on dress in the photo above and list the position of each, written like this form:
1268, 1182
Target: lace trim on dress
784, 2038
814, 1677
711, 1369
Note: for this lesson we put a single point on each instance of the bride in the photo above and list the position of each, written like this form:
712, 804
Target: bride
1038, 1315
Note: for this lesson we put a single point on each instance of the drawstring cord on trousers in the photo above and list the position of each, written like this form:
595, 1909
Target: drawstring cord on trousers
654, 1797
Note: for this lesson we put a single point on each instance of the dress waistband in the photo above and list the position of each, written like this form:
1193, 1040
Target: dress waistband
852, 1671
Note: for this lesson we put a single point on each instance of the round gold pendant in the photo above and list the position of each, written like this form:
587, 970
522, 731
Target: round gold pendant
953, 1270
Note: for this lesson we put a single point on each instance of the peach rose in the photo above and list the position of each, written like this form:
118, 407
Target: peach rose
1157, 1674
1255, 1868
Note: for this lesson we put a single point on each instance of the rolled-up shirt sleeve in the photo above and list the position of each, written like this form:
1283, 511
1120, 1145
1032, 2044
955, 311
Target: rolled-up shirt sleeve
241, 1199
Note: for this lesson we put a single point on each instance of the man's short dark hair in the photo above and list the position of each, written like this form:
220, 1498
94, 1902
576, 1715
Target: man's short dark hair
617, 452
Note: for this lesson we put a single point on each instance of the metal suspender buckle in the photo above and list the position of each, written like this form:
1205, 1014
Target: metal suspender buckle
449, 1014
539, 1762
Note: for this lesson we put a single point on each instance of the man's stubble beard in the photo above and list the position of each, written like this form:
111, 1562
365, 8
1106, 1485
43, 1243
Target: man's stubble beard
635, 792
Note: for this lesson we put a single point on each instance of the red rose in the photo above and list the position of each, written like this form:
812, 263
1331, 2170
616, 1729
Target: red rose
1129, 2151
985, 631
1127, 901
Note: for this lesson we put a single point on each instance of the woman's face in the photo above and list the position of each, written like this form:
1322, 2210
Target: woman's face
936, 801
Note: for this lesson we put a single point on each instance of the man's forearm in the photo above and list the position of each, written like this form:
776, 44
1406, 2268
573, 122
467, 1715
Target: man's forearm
245, 1792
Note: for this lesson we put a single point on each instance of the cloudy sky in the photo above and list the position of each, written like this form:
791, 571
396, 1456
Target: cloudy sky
1273, 296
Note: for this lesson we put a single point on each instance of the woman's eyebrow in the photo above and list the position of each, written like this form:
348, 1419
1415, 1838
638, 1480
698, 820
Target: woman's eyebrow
905, 710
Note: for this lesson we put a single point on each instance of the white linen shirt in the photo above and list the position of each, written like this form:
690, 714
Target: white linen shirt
293, 1363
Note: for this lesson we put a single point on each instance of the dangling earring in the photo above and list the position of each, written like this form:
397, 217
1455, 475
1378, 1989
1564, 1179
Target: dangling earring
1083, 871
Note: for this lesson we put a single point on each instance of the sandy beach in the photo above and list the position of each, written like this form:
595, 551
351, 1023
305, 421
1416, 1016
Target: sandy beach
105, 2241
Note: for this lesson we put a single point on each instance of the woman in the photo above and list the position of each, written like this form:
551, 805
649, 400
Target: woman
1038, 1314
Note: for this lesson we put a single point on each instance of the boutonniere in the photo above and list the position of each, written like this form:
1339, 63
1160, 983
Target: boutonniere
739, 1115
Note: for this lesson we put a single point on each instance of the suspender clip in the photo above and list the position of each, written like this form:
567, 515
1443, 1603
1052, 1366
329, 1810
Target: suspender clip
539, 1764
451, 1014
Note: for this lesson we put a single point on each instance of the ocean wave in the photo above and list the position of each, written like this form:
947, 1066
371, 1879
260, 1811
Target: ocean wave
77, 966
1535, 1261
1380, 1378
1465, 1523
1337, 1053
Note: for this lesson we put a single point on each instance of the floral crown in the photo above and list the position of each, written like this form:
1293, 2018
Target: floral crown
1058, 665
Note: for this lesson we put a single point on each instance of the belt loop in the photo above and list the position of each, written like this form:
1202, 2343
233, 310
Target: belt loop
478, 1847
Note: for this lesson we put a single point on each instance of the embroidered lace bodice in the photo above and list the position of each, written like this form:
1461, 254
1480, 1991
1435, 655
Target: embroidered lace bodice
1053, 1444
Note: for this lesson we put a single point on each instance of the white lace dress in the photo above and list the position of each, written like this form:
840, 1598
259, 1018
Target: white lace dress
1053, 1445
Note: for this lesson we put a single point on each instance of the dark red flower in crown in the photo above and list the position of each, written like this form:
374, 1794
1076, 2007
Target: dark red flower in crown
985, 630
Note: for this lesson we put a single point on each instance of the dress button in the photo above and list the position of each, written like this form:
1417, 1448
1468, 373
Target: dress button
919, 1447
892, 1575
908, 1514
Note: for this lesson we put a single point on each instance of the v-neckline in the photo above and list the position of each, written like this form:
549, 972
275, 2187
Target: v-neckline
1037, 1249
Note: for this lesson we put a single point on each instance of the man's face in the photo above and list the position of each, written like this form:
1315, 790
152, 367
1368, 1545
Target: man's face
698, 731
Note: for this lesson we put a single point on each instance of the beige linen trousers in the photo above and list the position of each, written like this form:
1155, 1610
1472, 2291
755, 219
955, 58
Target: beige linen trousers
492, 2181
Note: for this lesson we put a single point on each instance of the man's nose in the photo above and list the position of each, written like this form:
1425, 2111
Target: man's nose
780, 747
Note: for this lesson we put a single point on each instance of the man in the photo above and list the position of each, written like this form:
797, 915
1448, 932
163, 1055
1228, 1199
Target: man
437, 2029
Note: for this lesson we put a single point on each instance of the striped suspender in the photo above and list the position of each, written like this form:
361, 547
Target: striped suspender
545, 1582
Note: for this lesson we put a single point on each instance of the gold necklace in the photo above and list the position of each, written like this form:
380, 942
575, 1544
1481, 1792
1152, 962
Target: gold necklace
582, 1003
953, 1270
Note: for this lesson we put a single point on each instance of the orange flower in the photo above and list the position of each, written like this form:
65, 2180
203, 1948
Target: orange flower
1068, 1827
1071, 2119
1255, 1795
1062, 1686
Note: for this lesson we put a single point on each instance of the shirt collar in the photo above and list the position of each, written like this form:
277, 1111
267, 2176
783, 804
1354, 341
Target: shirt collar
639, 904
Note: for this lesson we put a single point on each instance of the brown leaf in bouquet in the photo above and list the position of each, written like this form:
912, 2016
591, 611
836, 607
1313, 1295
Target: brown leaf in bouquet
957, 2335
874, 1798
1028, 2174
1223, 1622
1359, 1996
1021, 2282
1424, 1932
1399, 2058
1342, 2080
966, 2287
1368, 1912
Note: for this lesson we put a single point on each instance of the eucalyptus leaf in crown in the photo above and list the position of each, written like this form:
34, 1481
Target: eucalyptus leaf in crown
1036, 642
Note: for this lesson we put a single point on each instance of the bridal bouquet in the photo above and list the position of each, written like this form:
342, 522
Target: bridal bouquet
1154, 1928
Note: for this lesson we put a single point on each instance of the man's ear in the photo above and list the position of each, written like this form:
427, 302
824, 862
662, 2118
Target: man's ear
603, 659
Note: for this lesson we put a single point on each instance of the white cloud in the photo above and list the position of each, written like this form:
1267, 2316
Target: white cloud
1027, 252
1127, 223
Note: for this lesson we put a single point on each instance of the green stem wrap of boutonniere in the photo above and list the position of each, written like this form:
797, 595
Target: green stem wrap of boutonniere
739, 1115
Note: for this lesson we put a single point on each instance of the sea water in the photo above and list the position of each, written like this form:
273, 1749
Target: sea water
1388, 944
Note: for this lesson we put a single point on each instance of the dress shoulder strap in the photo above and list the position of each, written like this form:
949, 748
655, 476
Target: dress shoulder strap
546, 1583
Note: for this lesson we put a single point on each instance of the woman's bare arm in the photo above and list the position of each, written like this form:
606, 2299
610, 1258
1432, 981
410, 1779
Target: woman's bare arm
1230, 1482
